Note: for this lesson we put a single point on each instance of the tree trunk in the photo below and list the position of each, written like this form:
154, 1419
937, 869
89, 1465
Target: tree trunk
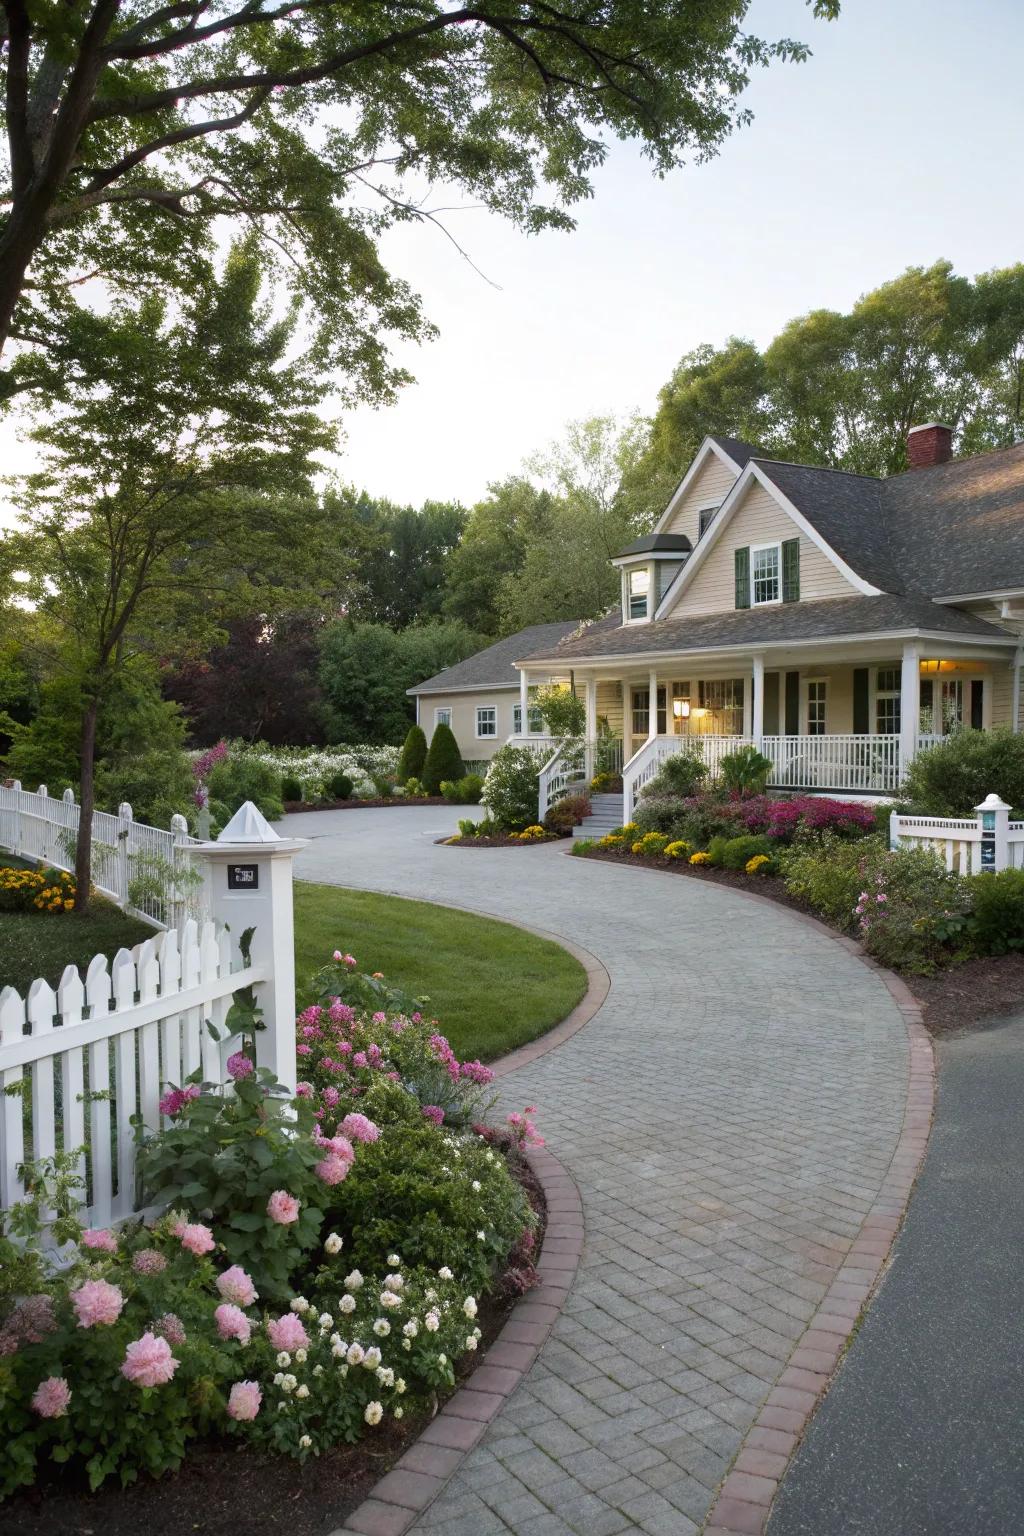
86, 770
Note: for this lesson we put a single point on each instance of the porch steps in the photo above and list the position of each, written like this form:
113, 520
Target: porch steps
605, 814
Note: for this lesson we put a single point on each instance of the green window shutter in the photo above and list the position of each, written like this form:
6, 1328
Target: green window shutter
791, 570
861, 702
792, 703
742, 563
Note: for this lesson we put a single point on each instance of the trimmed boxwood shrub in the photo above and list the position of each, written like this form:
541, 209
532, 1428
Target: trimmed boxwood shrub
339, 786
998, 924
413, 755
443, 760
736, 852
950, 779
291, 789
466, 791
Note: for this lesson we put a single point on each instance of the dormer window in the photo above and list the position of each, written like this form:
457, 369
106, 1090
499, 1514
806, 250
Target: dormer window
639, 591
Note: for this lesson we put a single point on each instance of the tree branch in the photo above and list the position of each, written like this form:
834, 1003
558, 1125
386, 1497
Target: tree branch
19, 43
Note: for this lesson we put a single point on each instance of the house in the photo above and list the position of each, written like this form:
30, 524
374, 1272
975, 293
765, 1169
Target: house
839, 622
480, 697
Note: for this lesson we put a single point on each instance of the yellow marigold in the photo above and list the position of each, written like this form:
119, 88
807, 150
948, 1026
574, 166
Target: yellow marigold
69, 906
756, 863
700, 858
677, 850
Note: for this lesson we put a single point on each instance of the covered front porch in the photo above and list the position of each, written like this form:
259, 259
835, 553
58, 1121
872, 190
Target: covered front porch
828, 720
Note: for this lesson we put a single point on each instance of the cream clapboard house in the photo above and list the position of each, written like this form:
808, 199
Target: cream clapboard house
839, 622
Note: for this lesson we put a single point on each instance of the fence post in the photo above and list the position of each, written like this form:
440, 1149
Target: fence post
124, 828
894, 829
178, 904
994, 825
250, 885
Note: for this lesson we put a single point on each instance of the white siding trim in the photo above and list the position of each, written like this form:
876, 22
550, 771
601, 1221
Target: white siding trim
700, 459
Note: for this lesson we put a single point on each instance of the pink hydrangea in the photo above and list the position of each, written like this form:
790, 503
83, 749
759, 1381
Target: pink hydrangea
244, 1401
339, 1145
235, 1285
303, 1050
175, 1099
340, 1013
374, 1055
476, 1072
331, 1096
101, 1239
287, 1332
332, 1169
196, 1238
148, 1362
360, 1059
148, 1261
434, 1113
29, 1323
239, 1066
303, 1090
358, 1128
51, 1398
309, 1015
97, 1304
283, 1208
380, 1018
232, 1323
171, 1328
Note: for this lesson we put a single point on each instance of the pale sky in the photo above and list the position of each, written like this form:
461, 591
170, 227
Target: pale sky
898, 143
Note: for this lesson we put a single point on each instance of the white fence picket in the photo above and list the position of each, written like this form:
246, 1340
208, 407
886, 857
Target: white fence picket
97, 996
12, 1114
70, 1002
42, 1005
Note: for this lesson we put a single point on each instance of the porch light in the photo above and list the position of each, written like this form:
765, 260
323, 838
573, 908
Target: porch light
681, 709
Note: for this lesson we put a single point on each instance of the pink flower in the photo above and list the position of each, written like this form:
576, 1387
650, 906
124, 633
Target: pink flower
337, 954
359, 1128
149, 1362
359, 1059
175, 1099
350, 961
232, 1323
340, 1013
97, 1304
148, 1261
434, 1113
171, 1328
303, 1090
287, 1332
29, 1323
380, 1018
309, 1015
346, 1047
51, 1398
244, 1400
331, 1096
100, 1238
303, 1050
283, 1208
239, 1066
417, 1018
235, 1285
332, 1169
340, 1146
196, 1238
476, 1072
374, 1055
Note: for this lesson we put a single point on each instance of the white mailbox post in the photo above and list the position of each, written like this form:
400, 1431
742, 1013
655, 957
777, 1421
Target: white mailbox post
249, 885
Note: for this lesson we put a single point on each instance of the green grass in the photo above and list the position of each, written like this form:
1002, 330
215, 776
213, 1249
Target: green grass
42, 943
491, 985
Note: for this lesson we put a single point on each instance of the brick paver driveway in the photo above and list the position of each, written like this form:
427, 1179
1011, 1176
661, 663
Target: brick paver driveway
729, 1115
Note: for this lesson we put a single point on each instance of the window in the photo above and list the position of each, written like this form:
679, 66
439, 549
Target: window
681, 718
442, 717
952, 704
721, 706
704, 520
534, 717
817, 705
639, 587
887, 701
642, 711
486, 720
764, 574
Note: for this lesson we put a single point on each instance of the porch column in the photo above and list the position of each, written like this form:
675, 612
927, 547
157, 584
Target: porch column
652, 706
910, 705
757, 714
524, 701
590, 735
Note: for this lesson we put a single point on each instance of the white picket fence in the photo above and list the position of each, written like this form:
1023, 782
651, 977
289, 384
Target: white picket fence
125, 852
93, 1054
967, 845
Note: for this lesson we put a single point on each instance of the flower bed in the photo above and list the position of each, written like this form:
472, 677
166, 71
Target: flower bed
485, 834
318, 1273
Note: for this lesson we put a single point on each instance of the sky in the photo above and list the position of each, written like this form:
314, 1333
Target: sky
896, 144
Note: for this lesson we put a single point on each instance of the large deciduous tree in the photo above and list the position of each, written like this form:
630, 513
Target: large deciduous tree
133, 127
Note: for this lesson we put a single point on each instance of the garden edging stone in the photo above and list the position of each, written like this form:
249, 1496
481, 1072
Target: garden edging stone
421, 1473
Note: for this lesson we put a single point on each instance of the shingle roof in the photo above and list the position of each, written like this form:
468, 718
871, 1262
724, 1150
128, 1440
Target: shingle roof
492, 667
847, 512
958, 528
657, 543
737, 450
772, 626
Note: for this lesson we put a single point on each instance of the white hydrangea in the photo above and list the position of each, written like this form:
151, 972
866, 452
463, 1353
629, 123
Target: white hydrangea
389, 1299
399, 1384
469, 1307
347, 1304
471, 1341
302, 1391
298, 1304
284, 1359
372, 1358
353, 1280
382, 1327
300, 1355
411, 1328
399, 1412
445, 1273
354, 1354
394, 1259
385, 1375
373, 1413
394, 1282
305, 1442
432, 1321
288, 1383
326, 1321
333, 1244
476, 1186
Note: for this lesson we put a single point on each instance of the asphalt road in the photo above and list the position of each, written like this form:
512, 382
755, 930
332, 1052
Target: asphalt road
922, 1432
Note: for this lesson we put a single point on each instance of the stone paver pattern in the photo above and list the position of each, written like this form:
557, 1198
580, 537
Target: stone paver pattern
729, 1116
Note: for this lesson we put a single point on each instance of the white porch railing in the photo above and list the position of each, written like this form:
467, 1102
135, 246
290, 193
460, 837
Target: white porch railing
571, 766
858, 763
35, 826
647, 760
967, 845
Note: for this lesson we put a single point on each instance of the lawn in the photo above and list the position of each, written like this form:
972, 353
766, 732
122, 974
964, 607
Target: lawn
41, 943
491, 985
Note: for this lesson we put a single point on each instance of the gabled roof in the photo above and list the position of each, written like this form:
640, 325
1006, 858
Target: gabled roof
847, 511
958, 528
728, 450
737, 450
493, 667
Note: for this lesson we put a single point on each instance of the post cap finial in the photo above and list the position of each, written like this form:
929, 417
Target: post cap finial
248, 825
992, 803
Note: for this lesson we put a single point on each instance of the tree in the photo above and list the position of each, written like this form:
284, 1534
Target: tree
414, 755
500, 530
402, 578
175, 491
365, 670
444, 761
135, 129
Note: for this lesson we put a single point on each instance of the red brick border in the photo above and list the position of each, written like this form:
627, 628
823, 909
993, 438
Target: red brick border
415, 1481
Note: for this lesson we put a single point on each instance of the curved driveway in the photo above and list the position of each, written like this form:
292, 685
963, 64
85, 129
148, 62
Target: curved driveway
729, 1115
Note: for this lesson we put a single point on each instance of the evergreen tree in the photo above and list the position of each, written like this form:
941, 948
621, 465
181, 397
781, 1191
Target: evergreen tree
414, 755
444, 761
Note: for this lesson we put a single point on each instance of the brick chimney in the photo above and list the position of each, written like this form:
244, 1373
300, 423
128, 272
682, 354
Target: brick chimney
928, 445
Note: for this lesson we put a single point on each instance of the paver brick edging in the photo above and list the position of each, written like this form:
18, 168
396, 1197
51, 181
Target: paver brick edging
402, 1495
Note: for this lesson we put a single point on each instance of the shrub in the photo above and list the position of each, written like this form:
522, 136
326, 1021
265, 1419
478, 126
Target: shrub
660, 813
567, 813
563, 713
157, 785
651, 844
606, 783
682, 774
413, 756
413, 790
909, 907
510, 788
442, 761
829, 873
584, 845
236, 779
339, 786
782, 820
745, 771
998, 924
950, 779
694, 820
464, 791
469, 828
736, 852
291, 789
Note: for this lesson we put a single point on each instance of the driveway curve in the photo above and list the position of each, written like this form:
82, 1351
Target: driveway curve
729, 1115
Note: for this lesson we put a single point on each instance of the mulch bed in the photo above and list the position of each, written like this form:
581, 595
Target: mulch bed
959, 998
498, 840
362, 805
224, 1490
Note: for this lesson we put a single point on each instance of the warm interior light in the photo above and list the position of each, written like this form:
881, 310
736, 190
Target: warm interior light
681, 709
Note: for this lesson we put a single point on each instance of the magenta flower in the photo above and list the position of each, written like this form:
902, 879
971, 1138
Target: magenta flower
283, 1208
244, 1400
149, 1362
433, 1113
235, 1285
239, 1066
303, 1090
331, 1096
287, 1332
175, 1099
232, 1323
97, 1304
51, 1398
303, 1050
360, 1059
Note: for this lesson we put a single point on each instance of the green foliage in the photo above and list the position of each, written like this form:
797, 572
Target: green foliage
829, 872
695, 820
684, 773
998, 912
339, 786
735, 852
582, 845
156, 784
366, 668
443, 760
414, 755
745, 771
567, 813
464, 791
563, 712
237, 778
510, 788
650, 844
953, 777
909, 908
291, 789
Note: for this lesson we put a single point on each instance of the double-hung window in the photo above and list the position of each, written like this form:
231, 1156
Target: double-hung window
817, 705
486, 720
887, 701
639, 591
442, 716
765, 574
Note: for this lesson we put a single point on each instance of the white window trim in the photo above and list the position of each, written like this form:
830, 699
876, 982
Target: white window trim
806, 683
756, 549
875, 693
442, 709
652, 595
532, 709
486, 735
